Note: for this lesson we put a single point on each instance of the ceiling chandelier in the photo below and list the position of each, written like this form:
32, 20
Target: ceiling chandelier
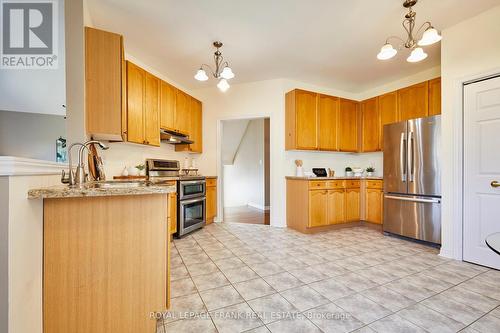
430, 36
222, 70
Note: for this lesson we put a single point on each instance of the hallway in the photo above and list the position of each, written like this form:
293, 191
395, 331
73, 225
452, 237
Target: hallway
246, 214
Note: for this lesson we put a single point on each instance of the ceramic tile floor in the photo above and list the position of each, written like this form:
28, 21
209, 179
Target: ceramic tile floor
234, 277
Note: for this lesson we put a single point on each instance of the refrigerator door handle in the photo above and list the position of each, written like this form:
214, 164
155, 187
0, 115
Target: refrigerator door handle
411, 157
402, 155
422, 200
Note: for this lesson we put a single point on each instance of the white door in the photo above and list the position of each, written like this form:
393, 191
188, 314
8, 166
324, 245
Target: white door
481, 167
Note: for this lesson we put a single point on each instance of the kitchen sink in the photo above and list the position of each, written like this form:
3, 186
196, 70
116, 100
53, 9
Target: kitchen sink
117, 184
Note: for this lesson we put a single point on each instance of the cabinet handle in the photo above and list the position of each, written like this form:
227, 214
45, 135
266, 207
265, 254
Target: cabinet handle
495, 184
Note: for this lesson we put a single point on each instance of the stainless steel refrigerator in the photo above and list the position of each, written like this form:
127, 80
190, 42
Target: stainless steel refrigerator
412, 179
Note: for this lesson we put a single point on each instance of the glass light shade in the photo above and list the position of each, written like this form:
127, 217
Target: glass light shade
227, 73
223, 85
429, 37
201, 75
387, 52
417, 55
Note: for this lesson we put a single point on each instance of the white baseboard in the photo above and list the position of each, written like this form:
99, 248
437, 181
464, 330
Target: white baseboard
257, 206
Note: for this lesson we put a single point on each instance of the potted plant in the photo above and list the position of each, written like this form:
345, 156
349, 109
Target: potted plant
141, 168
348, 172
370, 171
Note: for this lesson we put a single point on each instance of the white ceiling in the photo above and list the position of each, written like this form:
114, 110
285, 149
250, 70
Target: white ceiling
331, 43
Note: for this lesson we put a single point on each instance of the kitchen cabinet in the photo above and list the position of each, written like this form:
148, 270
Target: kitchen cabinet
328, 107
435, 97
211, 203
370, 125
374, 201
104, 85
142, 106
336, 206
172, 209
388, 109
413, 101
348, 125
301, 120
313, 205
318, 204
194, 128
182, 111
167, 106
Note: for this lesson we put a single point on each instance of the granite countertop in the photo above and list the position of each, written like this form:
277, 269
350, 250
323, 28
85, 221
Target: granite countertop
89, 190
333, 178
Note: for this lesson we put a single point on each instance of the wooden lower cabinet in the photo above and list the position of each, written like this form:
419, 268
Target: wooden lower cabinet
211, 203
352, 203
172, 210
312, 204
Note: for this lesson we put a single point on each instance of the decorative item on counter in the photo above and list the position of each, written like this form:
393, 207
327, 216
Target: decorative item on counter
125, 172
133, 171
348, 172
331, 173
299, 171
370, 171
61, 151
358, 172
187, 163
141, 168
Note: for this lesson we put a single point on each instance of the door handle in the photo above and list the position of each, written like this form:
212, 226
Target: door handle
410, 152
402, 154
421, 200
495, 184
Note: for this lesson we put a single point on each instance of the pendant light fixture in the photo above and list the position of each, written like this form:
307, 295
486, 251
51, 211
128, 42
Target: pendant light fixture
222, 70
429, 37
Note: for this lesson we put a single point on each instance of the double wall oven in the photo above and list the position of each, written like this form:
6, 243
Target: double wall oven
191, 203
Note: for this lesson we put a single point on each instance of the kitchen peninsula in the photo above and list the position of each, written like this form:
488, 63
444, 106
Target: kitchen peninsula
105, 257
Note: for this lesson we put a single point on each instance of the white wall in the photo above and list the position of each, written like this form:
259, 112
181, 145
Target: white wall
469, 50
244, 179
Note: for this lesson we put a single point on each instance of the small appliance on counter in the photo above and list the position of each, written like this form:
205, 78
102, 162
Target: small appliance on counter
320, 172
191, 190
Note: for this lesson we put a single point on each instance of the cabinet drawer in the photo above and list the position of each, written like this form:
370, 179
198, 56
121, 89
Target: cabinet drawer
376, 184
335, 184
352, 183
211, 182
316, 185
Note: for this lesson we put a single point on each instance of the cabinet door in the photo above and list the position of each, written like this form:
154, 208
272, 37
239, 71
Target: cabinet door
413, 101
388, 109
211, 204
336, 206
327, 118
318, 208
182, 111
348, 125
167, 106
136, 77
374, 205
194, 128
172, 212
103, 83
306, 120
352, 200
435, 97
370, 122
152, 111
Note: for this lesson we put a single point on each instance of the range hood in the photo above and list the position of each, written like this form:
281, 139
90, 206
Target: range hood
174, 138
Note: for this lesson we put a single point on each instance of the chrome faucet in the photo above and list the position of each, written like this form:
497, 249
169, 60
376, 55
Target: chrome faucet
79, 177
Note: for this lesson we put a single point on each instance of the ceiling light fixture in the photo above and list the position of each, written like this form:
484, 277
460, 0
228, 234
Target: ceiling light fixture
222, 70
429, 37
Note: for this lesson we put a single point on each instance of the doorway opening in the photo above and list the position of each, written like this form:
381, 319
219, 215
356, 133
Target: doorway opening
245, 161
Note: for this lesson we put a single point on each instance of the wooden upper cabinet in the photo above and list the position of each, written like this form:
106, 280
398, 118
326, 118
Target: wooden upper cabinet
388, 109
167, 106
413, 101
435, 97
103, 85
194, 127
370, 123
348, 125
182, 111
301, 120
328, 107
135, 103
152, 110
